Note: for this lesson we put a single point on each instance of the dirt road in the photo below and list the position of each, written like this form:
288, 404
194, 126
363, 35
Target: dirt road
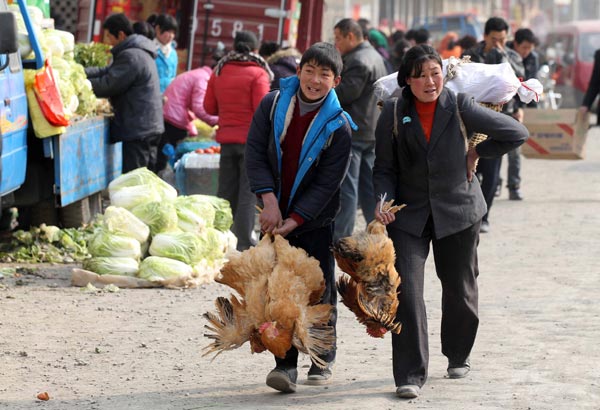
538, 345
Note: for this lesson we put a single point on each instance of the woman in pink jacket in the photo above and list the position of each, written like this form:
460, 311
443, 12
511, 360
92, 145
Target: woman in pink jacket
239, 82
183, 103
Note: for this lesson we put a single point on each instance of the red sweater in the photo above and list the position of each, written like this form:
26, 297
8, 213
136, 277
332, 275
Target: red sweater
290, 156
426, 112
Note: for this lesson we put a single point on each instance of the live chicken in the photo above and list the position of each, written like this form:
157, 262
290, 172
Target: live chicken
280, 287
371, 287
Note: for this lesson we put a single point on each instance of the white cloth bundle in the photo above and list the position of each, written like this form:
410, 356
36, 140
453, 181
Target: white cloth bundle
488, 83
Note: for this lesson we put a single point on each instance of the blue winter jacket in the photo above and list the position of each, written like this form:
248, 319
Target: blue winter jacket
324, 157
166, 67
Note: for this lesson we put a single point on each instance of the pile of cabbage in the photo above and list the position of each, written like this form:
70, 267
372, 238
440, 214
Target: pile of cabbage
151, 233
58, 47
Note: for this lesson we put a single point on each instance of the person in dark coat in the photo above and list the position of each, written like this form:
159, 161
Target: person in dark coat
283, 63
297, 153
131, 83
362, 67
493, 50
524, 44
423, 160
593, 88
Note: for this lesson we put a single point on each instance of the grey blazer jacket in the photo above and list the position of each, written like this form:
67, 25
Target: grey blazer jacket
431, 178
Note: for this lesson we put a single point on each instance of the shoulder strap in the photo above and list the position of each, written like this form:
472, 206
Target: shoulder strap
274, 105
395, 129
461, 124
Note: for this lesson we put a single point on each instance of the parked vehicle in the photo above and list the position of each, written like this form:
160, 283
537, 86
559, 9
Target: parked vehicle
549, 99
569, 50
461, 23
56, 180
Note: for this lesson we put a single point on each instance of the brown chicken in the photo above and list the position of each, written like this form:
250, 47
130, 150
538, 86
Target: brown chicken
371, 287
278, 307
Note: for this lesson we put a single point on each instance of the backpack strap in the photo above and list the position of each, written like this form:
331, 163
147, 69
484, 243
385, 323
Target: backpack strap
461, 124
395, 129
274, 105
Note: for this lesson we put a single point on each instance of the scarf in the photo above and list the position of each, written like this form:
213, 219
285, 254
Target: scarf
251, 57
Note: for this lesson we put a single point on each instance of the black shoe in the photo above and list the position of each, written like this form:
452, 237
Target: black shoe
318, 376
459, 370
515, 194
283, 379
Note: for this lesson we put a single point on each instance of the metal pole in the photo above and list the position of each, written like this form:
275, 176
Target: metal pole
91, 21
208, 6
280, 29
193, 29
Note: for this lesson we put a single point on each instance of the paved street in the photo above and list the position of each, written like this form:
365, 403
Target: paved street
538, 346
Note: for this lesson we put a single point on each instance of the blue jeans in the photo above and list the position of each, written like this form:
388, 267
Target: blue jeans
357, 189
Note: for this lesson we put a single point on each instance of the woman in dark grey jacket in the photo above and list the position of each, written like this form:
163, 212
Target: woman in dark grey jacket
424, 162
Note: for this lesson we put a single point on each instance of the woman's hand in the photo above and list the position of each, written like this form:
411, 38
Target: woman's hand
270, 217
472, 158
384, 217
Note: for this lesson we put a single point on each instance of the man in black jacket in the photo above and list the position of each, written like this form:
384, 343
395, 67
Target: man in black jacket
493, 50
363, 65
524, 45
131, 83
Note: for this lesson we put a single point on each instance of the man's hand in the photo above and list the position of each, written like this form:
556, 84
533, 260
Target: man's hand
286, 227
518, 115
472, 158
270, 217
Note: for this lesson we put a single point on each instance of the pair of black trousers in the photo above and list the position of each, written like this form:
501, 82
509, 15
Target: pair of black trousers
456, 266
317, 243
234, 187
140, 153
489, 171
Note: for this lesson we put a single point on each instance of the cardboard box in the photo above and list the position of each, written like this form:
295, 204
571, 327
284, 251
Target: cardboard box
555, 134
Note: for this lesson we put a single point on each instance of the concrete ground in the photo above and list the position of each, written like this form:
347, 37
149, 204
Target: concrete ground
537, 348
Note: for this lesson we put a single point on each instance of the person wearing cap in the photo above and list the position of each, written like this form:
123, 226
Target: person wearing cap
237, 85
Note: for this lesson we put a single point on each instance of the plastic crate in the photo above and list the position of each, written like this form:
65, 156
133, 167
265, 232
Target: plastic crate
197, 174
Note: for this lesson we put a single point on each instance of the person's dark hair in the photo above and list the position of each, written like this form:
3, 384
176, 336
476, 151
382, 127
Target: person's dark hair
410, 34
245, 42
144, 28
400, 48
324, 55
397, 36
412, 66
495, 24
116, 23
467, 42
365, 25
348, 25
166, 22
268, 48
525, 34
422, 36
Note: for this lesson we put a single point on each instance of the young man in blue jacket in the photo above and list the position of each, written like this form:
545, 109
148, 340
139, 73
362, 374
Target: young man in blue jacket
297, 155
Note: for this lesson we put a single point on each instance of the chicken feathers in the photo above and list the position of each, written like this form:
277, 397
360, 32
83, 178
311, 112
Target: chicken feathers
280, 287
370, 289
